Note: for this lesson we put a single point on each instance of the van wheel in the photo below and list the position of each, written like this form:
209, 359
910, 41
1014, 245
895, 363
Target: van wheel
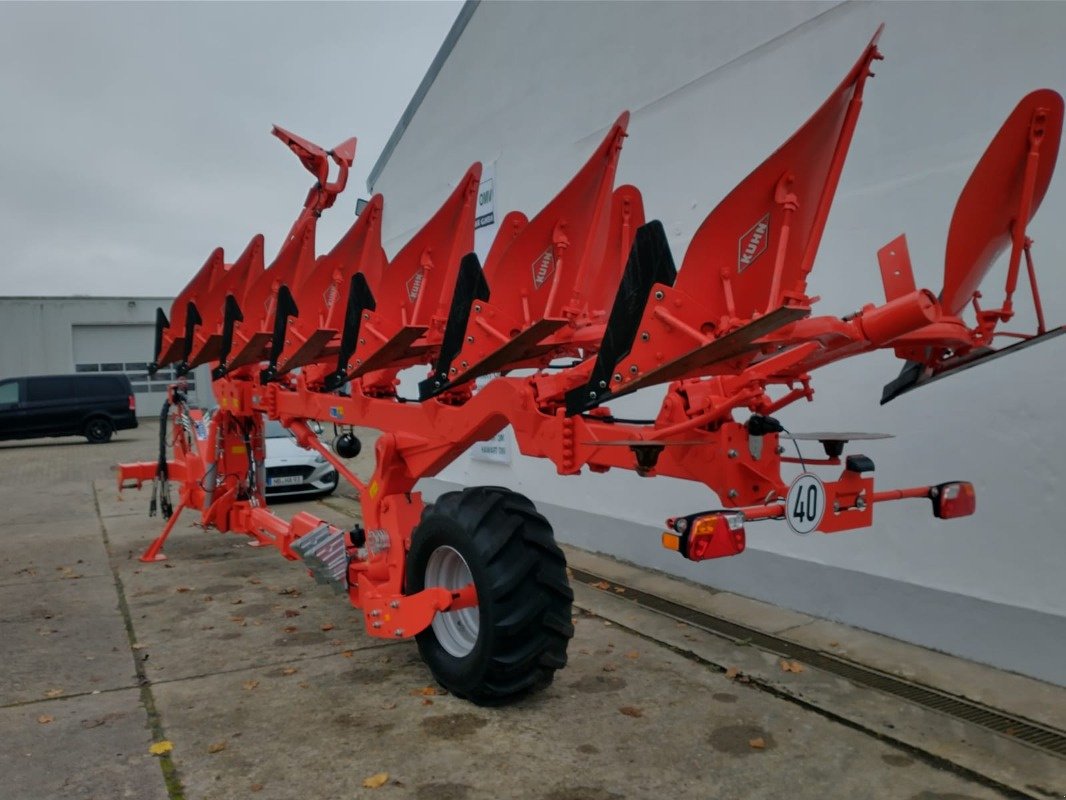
515, 639
98, 430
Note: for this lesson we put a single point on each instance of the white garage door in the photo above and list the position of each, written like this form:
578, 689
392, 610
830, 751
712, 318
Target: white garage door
125, 348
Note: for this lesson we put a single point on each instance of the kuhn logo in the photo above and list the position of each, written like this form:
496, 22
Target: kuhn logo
543, 267
753, 243
414, 284
330, 295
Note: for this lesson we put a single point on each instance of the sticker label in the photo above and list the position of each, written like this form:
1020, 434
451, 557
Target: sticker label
330, 295
414, 284
336, 412
805, 504
543, 267
753, 243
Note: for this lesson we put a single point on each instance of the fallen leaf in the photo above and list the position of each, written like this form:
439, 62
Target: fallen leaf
732, 673
426, 701
250, 684
291, 612
758, 743
631, 711
238, 619
335, 642
256, 787
619, 589
44, 719
609, 667
289, 671
161, 748
834, 644
388, 706
292, 591
376, 781
348, 653
633, 654
216, 747
791, 666
425, 691
254, 580
53, 693
236, 602
601, 585
182, 589
327, 626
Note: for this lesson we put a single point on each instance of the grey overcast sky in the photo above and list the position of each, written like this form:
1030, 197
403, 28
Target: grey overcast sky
135, 138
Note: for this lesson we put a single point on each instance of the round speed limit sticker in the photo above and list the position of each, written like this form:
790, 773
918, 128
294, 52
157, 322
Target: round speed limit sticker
805, 503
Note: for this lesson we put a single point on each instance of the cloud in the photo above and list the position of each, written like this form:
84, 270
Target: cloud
135, 137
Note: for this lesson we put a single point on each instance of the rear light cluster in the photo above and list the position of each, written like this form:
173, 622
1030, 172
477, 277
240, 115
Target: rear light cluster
133, 403
955, 499
710, 534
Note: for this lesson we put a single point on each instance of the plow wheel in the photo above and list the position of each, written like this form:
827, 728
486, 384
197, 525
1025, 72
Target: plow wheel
515, 639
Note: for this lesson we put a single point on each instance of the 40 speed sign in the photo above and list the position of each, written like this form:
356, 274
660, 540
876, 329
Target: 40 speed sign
805, 503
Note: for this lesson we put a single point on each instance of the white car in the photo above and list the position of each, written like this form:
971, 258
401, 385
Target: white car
294, 471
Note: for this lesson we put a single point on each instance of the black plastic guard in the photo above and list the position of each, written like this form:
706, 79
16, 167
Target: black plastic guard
360, 299
470, 285
914, 375
232, 315
161, 324
649, 263
284, 308
192, 319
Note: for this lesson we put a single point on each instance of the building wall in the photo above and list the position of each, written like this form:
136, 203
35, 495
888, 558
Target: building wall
714, 88
45, 335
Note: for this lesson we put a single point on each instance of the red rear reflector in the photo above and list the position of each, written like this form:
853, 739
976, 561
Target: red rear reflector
133, 403
955, 499
704, 536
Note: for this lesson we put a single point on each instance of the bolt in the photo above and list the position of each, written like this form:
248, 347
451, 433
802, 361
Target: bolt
645, 336
681, 525
658, 295
477, 309
362, 341
399, 631
618, 377
592, 395
453, 370
366, 316
836, 507
780, 450
463, 364
375, 613
377, 624
732, 453
470, 339
860, 503
603, 384
633, 369
394, 604
732, 493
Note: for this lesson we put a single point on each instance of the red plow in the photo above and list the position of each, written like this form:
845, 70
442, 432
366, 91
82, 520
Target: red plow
572, 308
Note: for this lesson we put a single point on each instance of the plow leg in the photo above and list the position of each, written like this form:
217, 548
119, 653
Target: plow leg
153, 552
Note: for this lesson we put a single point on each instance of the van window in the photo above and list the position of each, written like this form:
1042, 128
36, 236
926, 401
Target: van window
43, 389
9, 392
102, 386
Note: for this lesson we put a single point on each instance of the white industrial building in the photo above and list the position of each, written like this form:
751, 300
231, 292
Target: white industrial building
58, 335
530, 88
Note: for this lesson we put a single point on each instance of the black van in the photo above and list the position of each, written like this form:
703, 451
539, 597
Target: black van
93, 406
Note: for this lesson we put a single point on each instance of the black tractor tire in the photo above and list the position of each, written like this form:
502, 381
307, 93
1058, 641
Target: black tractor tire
524, 597
98, 430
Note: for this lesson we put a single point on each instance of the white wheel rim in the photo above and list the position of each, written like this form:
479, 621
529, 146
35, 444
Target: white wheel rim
455, 630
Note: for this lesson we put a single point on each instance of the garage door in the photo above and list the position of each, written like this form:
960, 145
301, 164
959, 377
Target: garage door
122, 348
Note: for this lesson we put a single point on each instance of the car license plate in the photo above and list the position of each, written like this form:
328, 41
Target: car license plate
286, 480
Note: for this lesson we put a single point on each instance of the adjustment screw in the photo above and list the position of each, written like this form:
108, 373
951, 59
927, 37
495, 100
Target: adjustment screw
732, 454
732, 493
